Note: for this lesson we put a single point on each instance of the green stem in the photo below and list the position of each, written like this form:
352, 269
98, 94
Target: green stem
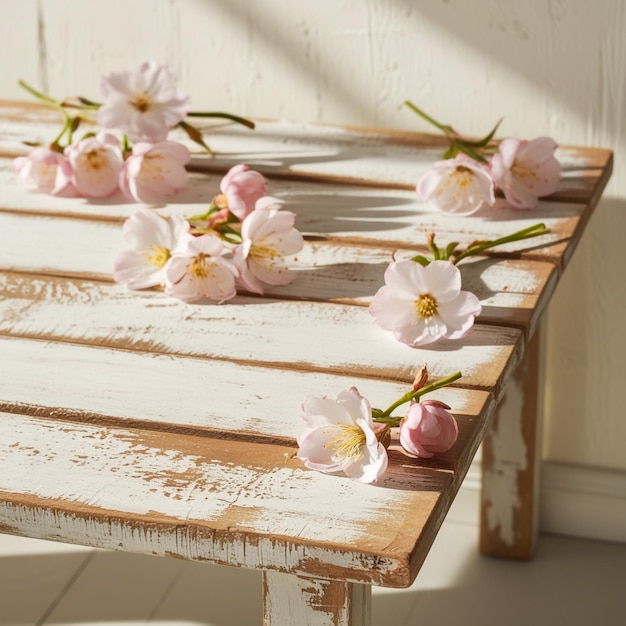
213, 208
38, 94
228, 116
525, 233
448, 130
415, 395
56, 105
66, 126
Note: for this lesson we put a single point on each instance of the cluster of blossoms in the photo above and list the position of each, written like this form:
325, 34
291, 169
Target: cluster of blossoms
471, 172
348, 435
140, 108
244, 236
421, 301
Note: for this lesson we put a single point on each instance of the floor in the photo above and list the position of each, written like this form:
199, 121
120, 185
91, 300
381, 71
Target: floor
570, 582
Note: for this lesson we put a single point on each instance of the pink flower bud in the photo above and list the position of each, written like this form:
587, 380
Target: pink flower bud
242, 187
421, 378
38, 170
428, 428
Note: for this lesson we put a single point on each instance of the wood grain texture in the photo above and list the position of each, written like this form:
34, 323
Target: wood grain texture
86, 383
247, 331
349, 155
340, 215
206, 499
511, 292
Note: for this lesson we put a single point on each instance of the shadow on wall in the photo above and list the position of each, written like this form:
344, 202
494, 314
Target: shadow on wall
586, 317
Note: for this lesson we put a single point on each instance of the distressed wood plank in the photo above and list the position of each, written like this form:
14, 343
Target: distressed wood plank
510, 291
333, 213
229, 502
382, 157
99, 384
246, 330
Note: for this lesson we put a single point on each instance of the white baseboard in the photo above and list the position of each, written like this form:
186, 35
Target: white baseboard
577, 501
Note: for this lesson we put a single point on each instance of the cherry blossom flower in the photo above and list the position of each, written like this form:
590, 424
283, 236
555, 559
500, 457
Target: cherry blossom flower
460, 185
268, 237
38, 170
241, 187
95, 164
420, 305
152, 239
428, 428
63, 184
144, 105
197, 270
526, 170
154, 171
339, 437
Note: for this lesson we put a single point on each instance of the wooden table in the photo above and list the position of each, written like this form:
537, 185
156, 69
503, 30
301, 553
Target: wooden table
134, 421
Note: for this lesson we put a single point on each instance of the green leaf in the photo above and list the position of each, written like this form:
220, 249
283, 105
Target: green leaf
465, 149
487, 138
422, 260
450, 248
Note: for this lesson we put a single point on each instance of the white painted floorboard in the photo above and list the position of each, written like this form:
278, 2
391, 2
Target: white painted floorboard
571, 582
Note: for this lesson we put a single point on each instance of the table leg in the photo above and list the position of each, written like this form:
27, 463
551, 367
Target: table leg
511, 463
289, 600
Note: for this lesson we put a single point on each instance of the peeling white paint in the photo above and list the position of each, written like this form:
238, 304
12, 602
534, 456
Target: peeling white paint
510, 457
155, 387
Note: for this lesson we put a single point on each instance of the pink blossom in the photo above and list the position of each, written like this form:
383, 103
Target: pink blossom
95, 164
64, 185
144, 105
152, 239
428, 428
420, 305
460, 185
38, 170
268, 237
526, 170
339, 437
241, 188
154, 171
197, 270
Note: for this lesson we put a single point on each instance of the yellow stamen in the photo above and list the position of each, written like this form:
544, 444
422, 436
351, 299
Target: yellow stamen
95, 159
141, 102
199, 266
269, 257
347, 443
158, 255
426, 306
463, 176
523, 172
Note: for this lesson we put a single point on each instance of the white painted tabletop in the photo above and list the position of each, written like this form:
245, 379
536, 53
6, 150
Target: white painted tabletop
134, 421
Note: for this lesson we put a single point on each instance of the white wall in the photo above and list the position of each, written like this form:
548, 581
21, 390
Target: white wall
554, 67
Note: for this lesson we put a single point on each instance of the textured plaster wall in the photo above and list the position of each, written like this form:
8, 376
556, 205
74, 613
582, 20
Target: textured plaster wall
555, 67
